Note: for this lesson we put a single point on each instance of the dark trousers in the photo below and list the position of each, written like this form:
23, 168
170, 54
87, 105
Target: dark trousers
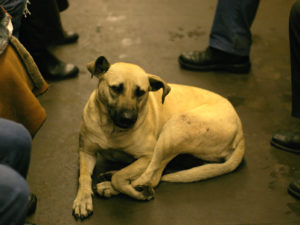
43, 25
294, 29
231, 27
15, 146
15, 8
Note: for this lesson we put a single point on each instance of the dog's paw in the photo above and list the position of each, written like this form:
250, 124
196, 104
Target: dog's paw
105, 189
83, 205
147, 191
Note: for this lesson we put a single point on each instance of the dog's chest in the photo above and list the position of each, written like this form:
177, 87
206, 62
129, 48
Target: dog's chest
125, 145
117, 155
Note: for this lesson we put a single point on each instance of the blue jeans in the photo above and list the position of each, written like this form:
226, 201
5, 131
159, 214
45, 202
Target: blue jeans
15, 8
15, 146
231, 27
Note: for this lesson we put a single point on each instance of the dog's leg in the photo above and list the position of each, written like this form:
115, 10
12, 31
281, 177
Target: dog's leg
83, 205
161, 157
104, 186
105, 189
207, 137
181, 134
121, 180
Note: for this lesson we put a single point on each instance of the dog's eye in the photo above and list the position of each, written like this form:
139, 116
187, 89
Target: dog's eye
118, 89
139, 92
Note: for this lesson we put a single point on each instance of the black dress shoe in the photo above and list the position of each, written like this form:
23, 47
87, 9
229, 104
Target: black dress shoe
68, 38
287, 140
29, 223
32, 202
294, 189
52, 68
214, 59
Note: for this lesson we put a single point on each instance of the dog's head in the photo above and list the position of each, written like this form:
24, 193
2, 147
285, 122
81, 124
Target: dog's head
123, 88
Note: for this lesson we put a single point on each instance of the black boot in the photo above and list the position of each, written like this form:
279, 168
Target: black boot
214, 59
52, 68
287, 140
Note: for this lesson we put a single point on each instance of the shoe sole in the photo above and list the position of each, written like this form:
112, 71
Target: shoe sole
293, 193
233, 68
57, 78
296, 151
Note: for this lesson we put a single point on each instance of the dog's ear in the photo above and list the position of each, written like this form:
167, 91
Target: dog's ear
98, 67
157, 83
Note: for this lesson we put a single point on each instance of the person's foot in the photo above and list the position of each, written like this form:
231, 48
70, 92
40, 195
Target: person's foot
29, 223
213, 59
52, 68
68, 38
32, 202
287, 140
294, 189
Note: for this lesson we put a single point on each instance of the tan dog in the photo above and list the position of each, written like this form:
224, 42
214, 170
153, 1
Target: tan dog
127, 116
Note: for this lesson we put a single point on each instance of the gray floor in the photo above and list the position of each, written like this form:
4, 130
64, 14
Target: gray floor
152, 34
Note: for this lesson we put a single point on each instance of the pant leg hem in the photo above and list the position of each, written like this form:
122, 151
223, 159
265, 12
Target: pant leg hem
227, 47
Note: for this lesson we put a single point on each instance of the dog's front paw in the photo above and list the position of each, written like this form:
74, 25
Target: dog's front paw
105, 189
147, 191
83, 205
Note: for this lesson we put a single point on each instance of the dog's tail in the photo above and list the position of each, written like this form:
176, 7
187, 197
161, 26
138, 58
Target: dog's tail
209, 170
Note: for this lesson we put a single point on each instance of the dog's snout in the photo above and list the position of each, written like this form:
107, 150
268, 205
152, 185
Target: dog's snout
126, 118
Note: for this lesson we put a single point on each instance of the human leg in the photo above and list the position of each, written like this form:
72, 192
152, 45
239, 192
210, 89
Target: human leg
44, 19
289, 140
231, 27
15, 146
15, 8
294, 31
230, 39
40, 29
13, 197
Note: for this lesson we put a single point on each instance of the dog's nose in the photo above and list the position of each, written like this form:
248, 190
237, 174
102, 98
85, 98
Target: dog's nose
127, 118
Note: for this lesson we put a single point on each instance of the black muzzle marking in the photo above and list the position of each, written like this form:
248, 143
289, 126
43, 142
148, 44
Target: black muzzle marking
124, 118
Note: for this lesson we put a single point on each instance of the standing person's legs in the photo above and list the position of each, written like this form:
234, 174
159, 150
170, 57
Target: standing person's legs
44, 24
294, 29
13, 197
42, 28
289, 140
231, 28
230, 39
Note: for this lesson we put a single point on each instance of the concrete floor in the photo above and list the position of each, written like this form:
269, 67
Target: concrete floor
153, 34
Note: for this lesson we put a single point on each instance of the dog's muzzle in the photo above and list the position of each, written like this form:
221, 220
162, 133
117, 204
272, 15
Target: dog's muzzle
124, 118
